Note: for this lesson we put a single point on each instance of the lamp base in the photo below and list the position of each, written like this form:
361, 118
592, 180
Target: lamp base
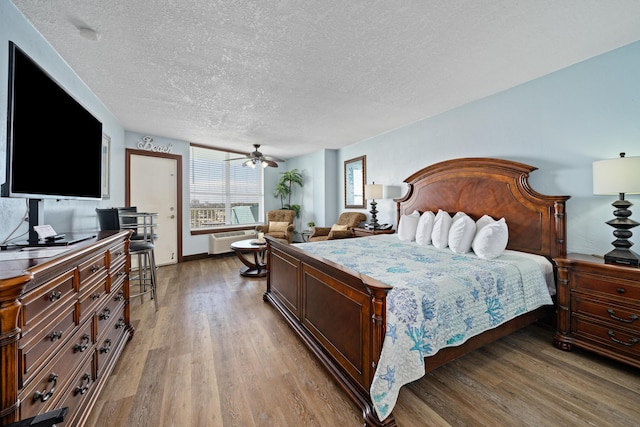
622, 257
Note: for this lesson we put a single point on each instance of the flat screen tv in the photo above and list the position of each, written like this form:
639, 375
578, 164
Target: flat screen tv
54, 145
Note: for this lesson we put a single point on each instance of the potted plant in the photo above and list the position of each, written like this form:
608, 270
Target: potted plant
284, 189
311, 224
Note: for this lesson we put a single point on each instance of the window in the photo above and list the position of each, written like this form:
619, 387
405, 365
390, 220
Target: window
223, 193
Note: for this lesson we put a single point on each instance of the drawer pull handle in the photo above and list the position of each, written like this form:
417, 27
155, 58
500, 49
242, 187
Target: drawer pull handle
55, 335
43, 396
620, 290
95, 296
120, 323
83, 345
82, 389
119, 296
121, 273
631, 342
95, 268
631, 319
106, 313
119, 253
106, 347
55, 296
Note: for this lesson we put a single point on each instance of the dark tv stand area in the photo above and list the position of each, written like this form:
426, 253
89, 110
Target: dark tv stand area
59, 240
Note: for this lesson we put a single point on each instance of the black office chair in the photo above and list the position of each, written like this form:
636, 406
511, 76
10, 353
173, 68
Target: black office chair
145, 271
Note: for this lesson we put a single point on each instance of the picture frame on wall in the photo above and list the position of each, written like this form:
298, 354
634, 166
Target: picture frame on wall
355, 177
106, 159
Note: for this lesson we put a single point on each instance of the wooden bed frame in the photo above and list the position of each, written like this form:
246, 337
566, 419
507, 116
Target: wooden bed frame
340, 314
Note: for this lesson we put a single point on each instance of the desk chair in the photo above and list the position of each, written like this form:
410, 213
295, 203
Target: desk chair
145, 270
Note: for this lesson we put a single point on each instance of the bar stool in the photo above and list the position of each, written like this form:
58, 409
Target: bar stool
145, 270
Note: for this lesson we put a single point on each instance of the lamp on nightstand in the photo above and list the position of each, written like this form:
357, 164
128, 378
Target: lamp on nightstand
619, 176
372, 192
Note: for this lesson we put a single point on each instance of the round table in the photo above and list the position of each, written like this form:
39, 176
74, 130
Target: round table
257, 268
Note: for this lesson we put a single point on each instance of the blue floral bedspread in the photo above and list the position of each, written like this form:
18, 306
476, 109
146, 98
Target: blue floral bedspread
439, 299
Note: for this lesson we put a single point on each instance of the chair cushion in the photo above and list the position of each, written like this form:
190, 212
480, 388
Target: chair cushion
338, 227
278, 227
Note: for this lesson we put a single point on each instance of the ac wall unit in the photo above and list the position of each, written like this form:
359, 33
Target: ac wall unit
219, 243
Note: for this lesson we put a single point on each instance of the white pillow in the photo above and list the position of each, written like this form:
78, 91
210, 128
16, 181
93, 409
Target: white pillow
461, 233
407, 226
484, 220
440, 233
425, 227
491, 240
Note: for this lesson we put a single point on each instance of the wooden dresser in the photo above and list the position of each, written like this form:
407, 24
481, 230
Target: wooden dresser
64, 321
599, 308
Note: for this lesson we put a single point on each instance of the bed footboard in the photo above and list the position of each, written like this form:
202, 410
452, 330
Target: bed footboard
339, 314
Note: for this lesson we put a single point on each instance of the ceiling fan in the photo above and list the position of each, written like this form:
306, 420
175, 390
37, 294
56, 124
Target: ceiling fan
257, 158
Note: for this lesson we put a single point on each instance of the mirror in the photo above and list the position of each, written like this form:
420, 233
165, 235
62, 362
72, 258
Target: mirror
355, 176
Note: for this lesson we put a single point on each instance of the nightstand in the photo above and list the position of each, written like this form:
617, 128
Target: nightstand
362, 232
598, 308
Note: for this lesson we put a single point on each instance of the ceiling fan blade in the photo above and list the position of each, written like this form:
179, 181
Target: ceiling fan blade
273, 159
270, 163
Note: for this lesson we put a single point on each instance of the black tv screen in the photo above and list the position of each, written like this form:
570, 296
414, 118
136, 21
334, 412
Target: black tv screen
54, 145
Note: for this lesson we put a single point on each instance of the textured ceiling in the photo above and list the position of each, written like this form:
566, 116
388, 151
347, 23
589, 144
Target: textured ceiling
300, 75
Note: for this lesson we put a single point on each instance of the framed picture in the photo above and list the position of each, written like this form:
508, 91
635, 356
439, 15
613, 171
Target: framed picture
355, 175
106, 154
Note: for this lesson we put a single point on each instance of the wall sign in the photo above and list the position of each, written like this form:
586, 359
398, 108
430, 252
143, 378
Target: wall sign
146, 143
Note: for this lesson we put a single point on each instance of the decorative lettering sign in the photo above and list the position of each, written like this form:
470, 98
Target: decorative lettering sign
146, 143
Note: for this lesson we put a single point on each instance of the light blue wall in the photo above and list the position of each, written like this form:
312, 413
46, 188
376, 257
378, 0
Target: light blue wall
63, 215
560, 123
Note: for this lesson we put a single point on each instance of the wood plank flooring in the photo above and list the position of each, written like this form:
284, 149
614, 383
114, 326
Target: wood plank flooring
216, 355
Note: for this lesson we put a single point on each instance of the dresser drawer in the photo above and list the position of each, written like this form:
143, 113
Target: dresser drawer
626, 317
113, 308
91, 298
78, 392
117, 274
117, 254
612, 286
110, 339
50, 382
90, 269
37, 347
38, 304
622, 341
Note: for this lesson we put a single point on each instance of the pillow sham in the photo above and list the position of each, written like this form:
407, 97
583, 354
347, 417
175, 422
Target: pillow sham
407, 226
484, 220
491, 240
441, 226
337, 227
278, 227
425, 227
461, 233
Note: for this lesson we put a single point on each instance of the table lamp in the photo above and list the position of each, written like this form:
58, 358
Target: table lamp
619, 176
372, 192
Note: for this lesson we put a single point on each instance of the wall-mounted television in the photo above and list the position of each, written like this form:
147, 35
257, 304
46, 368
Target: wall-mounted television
54, 144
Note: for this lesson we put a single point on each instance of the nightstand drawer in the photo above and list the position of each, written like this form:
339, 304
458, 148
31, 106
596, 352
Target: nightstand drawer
626, 317
622, 341
609, 285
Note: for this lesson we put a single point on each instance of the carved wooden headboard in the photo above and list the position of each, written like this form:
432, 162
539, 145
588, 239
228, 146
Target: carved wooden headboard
496, 187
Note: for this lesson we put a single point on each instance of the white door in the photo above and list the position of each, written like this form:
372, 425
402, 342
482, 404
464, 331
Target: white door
153, 187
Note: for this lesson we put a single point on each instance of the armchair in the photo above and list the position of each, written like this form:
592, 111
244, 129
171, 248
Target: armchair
279, 224
347, 220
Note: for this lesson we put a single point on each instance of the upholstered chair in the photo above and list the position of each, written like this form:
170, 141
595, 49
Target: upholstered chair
342, 229
279, 225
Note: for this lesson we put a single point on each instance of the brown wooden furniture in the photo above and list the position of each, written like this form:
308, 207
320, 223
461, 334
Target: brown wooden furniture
362, 232
340, 314
64, 322
598, 307
257, 268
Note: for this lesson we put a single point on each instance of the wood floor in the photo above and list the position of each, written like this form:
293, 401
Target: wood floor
216, 355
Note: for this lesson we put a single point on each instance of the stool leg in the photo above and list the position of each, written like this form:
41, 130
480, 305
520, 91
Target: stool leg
152, 274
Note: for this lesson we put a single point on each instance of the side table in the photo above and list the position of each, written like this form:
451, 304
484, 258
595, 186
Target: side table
257, 268
362, 232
